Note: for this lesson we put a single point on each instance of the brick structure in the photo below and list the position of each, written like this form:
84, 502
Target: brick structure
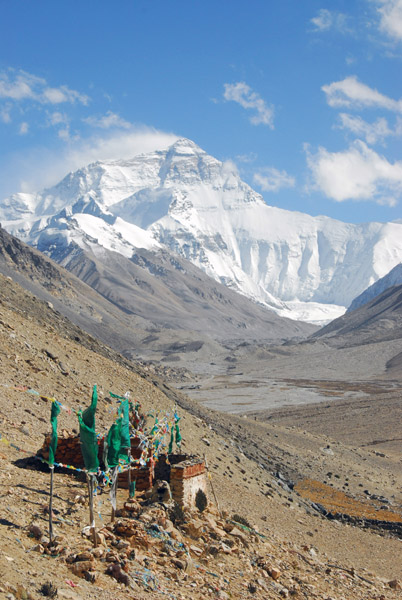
185, 474
69, 453
186, 479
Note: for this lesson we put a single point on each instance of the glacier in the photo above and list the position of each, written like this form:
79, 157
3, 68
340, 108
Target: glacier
184, 200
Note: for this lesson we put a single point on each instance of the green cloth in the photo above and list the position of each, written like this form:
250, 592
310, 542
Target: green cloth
125, 424
118, 438
89, 443
53, 439
155, 427
116, 396
178, 434
113, 444
170, 449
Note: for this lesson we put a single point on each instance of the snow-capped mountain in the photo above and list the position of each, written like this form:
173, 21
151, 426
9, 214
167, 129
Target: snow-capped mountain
182, 199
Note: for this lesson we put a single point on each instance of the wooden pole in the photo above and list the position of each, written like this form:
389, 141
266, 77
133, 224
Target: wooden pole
114, 491
51, 504
212, 487
129, 471
90, 480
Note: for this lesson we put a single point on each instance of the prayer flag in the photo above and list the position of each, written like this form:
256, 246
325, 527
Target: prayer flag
53, 440
89, 444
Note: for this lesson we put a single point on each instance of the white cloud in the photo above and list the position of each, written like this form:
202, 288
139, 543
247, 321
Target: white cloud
391, 17
42, 167
123, 145
371, 132
64, 133
57, 118
357, 173
328, 19
351, 93
270, 179
23, 129
108, 121
246, 158
5, 115
20, 85
241, 93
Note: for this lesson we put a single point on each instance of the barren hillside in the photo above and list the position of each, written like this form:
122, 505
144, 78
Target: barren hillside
289, 548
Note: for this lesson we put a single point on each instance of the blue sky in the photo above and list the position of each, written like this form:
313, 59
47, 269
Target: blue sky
303, 96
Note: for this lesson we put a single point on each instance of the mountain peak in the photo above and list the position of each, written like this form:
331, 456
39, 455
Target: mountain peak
185, 146
198, 207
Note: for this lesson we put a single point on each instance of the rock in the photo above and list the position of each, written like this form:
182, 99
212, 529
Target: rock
91, 576
100, 538
180, 564
86, 555
123, 545
98, 552
160, 492
395, 584
196, 550
132, 506
195, 528
35, 531
206, 441
239, 535
262, 583
275, 573
112, 557
64, 369
81, 567
38, 548
176, 535
168, 525
213, 550
116, 571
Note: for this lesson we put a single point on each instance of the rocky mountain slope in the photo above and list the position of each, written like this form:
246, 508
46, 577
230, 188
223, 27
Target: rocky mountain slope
154, 305
291, 550
184, 200
378, 320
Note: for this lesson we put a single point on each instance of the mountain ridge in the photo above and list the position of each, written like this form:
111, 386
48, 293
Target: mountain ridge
394, 277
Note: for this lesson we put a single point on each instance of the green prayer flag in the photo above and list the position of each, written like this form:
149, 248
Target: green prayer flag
114, 444
53, 440
155, 427
125, 424
170, 449
89, 444
178, 434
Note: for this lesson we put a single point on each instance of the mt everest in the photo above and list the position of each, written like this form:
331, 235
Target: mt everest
184, 201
